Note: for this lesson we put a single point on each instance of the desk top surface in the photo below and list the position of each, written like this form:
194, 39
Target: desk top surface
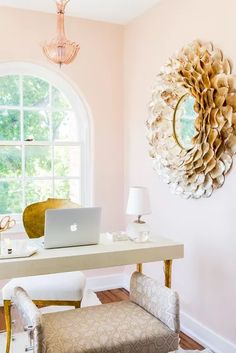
104, 254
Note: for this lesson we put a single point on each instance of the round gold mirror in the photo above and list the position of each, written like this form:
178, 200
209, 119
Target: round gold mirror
192, 125
184, 122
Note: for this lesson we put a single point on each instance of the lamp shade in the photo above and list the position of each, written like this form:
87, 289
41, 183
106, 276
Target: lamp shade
138, 201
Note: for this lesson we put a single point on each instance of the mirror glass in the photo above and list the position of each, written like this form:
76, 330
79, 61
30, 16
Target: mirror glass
184, 120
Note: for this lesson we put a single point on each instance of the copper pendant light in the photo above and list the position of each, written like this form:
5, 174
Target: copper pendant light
60, 50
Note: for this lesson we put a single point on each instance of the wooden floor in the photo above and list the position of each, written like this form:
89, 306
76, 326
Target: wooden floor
118, 295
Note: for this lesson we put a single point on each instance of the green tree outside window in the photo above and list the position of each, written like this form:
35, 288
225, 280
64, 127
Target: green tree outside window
34, 118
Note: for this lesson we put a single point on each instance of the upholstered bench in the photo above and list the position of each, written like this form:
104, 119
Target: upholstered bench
147, 323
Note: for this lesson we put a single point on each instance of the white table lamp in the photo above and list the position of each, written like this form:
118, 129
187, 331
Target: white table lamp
138, 205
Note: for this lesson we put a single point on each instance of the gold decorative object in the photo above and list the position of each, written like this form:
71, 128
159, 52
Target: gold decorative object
61, 50
192, 123
6, 223
34, 215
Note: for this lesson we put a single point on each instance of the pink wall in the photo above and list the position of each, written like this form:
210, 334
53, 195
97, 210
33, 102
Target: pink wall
206, 278
98, 74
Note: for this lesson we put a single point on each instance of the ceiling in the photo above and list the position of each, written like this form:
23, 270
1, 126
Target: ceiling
116, 11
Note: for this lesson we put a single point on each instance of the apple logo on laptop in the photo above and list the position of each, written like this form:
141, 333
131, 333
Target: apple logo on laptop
73, 227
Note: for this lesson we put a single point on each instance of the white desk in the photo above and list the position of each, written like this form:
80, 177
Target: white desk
94, 256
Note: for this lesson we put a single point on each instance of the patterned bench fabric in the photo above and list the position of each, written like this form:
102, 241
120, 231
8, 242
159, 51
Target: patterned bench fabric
122, 327
158, 300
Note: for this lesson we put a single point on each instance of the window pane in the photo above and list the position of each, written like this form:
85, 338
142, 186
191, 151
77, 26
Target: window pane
67, 189
9, 90
38, 161
67, 161
59, 101
65, 127
36, 125
10, 197
40, 123
35, 92
37, 190
9, 125
10, 161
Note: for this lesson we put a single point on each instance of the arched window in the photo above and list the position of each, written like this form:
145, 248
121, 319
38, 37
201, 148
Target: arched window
44, 139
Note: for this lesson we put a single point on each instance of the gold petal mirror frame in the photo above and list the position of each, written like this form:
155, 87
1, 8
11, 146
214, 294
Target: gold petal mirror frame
191, 128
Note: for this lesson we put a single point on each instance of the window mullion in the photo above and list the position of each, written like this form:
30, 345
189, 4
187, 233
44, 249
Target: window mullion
51, 138
83, 176
22, 141
10, 143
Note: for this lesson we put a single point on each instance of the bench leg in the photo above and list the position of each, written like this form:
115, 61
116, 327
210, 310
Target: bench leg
7, 313
168, 272
140, 268
77, 305
45, 303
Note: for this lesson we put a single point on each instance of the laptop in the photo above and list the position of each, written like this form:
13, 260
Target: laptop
72, 227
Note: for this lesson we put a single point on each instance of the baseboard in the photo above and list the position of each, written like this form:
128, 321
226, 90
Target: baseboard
205, 336
126, 281
101, 283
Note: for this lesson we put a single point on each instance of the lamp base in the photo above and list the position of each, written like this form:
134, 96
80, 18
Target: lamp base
138, 232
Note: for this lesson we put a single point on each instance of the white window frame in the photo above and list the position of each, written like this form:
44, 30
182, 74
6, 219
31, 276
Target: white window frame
82, 112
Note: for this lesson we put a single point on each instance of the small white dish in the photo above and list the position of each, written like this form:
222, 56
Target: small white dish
27, 252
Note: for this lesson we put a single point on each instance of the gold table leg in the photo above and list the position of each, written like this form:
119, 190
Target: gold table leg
167, 269
7, 311
168, 272
140, 268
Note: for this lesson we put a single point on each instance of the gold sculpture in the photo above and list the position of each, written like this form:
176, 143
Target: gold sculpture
34, 215
199, 72
6, 223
